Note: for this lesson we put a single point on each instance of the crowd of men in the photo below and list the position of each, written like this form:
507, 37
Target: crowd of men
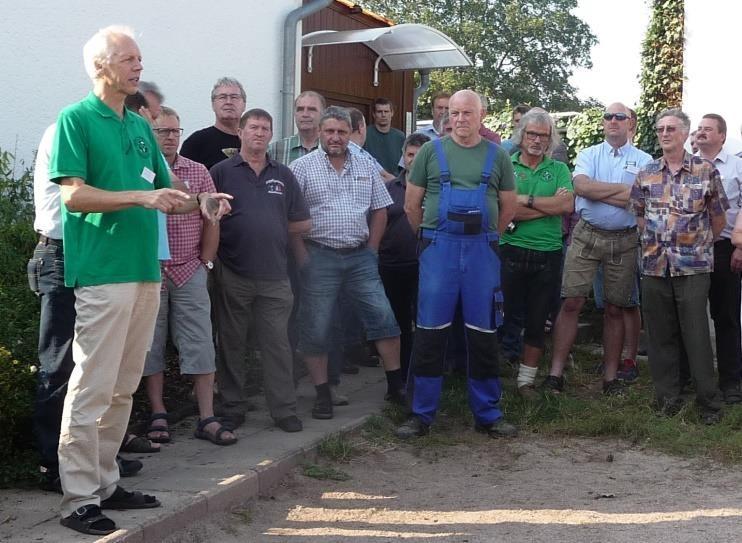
347, 232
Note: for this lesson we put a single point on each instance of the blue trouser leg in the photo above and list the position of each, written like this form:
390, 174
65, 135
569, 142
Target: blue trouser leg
56, 330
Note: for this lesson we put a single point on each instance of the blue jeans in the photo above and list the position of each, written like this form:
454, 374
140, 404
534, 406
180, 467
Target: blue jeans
56, 330
353, 274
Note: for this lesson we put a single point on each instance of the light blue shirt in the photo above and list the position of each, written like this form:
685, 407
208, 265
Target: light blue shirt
602, 163
357, 150
730, 170
163, 243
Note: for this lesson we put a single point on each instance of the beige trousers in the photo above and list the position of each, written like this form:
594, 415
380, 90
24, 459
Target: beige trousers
113, 332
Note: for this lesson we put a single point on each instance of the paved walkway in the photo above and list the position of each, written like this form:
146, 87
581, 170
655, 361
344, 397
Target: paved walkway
194, 478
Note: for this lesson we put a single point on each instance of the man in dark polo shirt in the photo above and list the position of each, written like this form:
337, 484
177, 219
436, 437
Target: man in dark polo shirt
383, 141
250, 274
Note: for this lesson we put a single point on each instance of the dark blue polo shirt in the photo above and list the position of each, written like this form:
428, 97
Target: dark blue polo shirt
398, 247
253, 238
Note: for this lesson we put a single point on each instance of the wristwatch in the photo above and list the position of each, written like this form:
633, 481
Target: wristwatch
530, 200
209, 264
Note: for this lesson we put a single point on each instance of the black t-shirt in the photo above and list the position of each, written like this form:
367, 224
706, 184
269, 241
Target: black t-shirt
207, 146
253, 239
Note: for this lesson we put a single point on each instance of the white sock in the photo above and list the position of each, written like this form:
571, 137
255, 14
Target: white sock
526, 375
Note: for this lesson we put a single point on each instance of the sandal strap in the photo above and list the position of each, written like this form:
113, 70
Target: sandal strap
202, 423
155, 416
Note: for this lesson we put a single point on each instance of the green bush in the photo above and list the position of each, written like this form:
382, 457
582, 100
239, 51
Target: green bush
584, 130
19, 315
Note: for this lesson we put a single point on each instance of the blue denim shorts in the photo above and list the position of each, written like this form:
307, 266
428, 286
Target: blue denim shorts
353, 274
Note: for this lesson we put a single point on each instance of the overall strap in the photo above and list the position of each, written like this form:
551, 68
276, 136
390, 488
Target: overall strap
442, 161
489, 162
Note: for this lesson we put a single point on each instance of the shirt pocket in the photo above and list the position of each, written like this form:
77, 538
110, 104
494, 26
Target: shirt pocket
361, 189
689, 197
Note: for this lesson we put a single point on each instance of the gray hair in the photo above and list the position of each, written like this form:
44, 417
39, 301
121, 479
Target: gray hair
149, 86
312, 94
537, 116
231, 82
99, 48
337, 113
168, 112
678, 114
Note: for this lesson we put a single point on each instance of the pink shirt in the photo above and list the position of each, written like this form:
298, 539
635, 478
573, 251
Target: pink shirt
185, 231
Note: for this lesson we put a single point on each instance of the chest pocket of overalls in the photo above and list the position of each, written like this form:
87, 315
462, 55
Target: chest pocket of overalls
463, 211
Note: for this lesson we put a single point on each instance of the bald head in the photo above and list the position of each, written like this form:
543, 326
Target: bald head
617, 124
465, 112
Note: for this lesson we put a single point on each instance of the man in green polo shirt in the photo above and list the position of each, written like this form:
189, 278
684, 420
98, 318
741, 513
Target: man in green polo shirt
112, 178
531, 248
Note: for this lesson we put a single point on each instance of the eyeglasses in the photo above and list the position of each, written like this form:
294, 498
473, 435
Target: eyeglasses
669, 129
533, 136
168, 131
225, 97
617, 116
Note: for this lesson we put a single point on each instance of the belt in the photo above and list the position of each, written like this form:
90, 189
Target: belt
44, 240
341, 250
619, 231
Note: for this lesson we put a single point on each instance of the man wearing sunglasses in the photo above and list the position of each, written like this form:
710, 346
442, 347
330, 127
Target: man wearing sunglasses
680, 205
605, 234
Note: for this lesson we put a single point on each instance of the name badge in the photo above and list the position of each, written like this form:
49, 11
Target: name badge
148, 175
632, 169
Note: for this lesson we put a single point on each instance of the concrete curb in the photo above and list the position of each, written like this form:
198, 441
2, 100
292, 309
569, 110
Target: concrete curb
258, 481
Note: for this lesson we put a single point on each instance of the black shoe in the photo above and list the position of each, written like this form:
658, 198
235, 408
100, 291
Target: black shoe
50, 482
350, 369
371, 361
290, 424
89, 519
128, 468
732, 395
709, 417
614, 388
398, 397
322, 408
553, 384
412, 427
499, 428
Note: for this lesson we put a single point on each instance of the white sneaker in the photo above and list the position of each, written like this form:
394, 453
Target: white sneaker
337, 398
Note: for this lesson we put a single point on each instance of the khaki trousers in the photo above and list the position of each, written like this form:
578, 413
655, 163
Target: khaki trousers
113, 332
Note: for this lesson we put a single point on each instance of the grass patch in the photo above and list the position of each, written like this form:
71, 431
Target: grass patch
243, 514
325, 473
581, 411
338, 448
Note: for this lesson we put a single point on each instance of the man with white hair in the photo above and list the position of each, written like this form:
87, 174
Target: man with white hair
112, 178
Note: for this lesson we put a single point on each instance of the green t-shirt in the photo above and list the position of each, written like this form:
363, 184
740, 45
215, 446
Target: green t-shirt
113, 154
386, 148
466, 165
544, 233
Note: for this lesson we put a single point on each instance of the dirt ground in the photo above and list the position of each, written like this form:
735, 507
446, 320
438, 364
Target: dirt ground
482, 490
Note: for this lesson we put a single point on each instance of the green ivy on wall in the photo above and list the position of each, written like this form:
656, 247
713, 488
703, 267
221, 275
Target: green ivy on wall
662, 69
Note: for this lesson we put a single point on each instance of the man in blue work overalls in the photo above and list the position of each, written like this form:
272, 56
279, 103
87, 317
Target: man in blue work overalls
460, 193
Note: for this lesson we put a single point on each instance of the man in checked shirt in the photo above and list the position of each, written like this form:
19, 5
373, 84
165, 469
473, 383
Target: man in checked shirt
184, 300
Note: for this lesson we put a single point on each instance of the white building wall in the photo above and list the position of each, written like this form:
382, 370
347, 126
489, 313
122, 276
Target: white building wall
713, 80
186, 46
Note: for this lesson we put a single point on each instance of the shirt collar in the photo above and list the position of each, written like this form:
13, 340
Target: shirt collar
687, 158
621, 150
238, 160
100, 107
722, 157
515, 159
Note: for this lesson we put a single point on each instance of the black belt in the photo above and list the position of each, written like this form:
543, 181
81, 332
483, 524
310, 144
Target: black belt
44, 240
342, 250
619, 231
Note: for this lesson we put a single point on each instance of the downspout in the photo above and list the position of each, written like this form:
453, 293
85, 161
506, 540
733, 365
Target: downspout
290, 27
417, 93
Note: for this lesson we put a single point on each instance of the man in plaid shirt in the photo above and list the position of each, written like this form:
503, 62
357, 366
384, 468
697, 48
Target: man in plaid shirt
347, 201
184, 301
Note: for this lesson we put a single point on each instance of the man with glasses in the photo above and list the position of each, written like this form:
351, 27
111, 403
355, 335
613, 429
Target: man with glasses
605, 235
216, 143
532, 251
680, 206
184, 301
724, 293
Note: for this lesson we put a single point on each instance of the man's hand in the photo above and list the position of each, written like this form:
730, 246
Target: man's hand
736, 263
214, 205
166, 200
